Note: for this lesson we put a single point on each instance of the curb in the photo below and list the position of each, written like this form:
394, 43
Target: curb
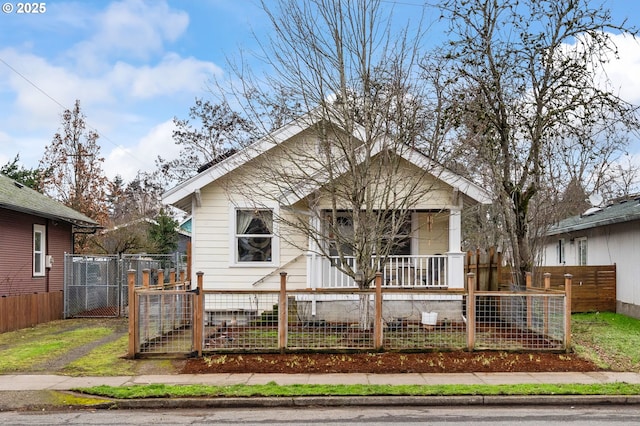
338, 401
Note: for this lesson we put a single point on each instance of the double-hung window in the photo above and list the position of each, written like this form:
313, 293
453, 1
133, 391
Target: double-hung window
582, 251
561, 257
39, 245
254, 239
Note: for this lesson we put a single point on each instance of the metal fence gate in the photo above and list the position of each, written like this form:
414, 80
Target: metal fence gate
96, 285
164, 321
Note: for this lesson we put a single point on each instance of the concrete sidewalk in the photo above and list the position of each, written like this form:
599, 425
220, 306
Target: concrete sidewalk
20, 392
28, 382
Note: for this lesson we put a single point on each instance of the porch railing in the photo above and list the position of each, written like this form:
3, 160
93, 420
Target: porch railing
420, 271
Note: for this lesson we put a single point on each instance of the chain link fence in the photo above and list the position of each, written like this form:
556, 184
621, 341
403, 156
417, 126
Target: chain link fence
96, 285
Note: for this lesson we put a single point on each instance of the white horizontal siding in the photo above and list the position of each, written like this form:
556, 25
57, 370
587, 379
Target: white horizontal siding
617, 244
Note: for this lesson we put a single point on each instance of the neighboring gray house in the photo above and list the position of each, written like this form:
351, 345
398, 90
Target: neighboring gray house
603, 236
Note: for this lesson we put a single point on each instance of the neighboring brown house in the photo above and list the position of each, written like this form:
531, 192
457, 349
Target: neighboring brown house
35, 232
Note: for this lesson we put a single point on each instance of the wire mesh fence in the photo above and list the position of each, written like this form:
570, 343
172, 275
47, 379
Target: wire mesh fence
151, 262
333, 319
520, 321
240, 321
339, 319
165, 321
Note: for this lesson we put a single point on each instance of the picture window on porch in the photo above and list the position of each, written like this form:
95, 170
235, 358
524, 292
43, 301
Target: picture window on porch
400, 240
254, 235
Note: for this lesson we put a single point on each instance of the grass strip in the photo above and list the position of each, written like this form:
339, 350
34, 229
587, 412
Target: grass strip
274, 390
105, 360
30, 353
608, 339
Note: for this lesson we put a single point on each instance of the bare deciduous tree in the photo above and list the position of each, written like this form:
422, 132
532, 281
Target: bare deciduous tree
532, 105
217, 130
72, 168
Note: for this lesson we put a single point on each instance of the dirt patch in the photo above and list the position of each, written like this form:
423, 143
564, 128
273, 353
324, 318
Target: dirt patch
389, 362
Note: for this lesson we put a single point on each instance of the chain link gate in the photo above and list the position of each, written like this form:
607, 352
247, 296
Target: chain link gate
96, 285
92, 286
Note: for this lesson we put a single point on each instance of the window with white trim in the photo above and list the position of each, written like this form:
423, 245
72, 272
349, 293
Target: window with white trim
582, 251
561, 256
254, 239
39, 245
399, 240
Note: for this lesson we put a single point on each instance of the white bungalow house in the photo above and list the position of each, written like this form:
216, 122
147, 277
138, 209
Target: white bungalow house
602, 236
238, 243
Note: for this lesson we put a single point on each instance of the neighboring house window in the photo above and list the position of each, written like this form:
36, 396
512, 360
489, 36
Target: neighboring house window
38, 250
582, 251
254, 235
561, 259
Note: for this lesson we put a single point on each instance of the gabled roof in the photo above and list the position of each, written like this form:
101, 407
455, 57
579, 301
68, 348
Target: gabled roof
180, 196
18, 197
618, 212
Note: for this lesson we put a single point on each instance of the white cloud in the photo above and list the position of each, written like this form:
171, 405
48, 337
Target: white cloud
39, 86
623, 72
172, 75
132, 29
127, 161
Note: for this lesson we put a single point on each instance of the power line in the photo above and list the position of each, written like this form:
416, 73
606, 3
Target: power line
25, 78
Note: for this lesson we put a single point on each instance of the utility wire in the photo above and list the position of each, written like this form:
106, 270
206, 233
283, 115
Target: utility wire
25, 78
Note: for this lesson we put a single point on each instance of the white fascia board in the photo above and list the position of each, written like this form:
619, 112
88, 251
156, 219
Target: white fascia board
416, 158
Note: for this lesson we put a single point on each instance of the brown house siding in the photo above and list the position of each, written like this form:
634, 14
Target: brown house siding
16, 257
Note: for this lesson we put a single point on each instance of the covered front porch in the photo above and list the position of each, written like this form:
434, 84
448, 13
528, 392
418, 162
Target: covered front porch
418, 267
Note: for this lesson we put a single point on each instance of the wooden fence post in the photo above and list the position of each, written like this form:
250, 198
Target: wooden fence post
377, 327
161, 277
282, 313
145, 278
471, 311
131, 286
172, 276
198, 315
568, 281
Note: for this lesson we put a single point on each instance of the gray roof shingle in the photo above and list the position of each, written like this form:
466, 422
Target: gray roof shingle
18, 197
619, 212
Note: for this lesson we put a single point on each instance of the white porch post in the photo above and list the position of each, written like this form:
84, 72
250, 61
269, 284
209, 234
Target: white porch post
455, 257
313, 267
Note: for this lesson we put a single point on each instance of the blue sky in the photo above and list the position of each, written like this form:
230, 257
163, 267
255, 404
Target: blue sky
136, 64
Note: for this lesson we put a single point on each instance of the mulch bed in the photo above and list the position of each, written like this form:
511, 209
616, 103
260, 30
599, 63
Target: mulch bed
390, 362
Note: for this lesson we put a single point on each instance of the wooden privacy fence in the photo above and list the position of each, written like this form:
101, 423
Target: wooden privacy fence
165, 319
27, 310
593, 290
594, 287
